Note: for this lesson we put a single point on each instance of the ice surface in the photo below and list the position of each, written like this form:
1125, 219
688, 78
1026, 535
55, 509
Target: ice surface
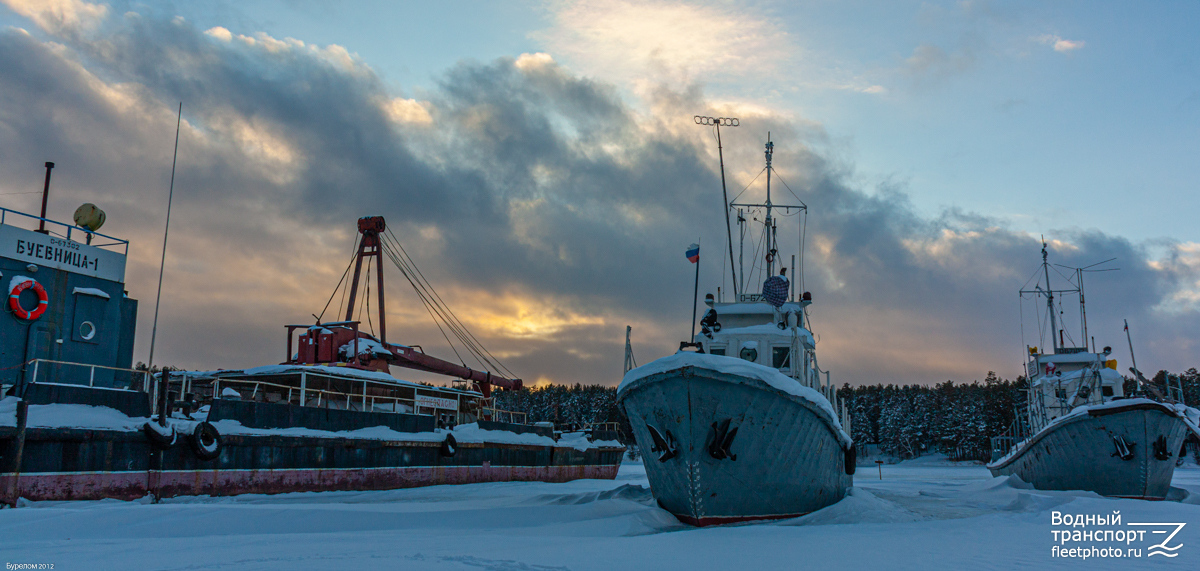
925, 514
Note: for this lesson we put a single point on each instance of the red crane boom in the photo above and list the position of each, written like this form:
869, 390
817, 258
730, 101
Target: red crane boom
342, 343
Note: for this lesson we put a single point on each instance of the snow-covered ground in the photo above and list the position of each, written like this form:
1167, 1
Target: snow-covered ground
924, 514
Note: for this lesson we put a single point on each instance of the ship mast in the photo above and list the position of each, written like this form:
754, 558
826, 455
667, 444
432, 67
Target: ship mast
769, 228
717, 123
1049, 293
1050, 300
770, 244
1056, 341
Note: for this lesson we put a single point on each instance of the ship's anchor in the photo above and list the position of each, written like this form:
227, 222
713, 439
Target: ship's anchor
720, 439
1124, 451
1160, 448
664, 445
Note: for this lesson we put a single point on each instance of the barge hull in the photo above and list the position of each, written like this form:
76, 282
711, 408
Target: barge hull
76, 464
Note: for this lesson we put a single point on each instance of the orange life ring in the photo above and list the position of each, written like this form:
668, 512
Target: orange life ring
14, 300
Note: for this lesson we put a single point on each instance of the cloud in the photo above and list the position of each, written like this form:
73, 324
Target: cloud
1060, 45
548, 210
640, 41
60, 16
220, 33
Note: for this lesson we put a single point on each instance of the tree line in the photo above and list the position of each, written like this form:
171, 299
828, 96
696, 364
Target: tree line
906, 421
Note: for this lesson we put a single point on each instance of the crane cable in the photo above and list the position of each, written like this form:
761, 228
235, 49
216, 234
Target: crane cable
437, 307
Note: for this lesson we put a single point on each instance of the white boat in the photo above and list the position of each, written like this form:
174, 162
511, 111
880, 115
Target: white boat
1080, 431
745, 425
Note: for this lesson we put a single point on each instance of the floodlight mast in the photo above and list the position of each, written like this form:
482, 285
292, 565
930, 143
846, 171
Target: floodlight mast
717, 123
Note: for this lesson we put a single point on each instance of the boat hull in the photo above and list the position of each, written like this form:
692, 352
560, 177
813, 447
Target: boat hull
80, 464
789, 459
1081, 452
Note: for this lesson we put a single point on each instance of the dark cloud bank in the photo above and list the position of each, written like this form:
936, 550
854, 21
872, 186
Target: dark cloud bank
528, 183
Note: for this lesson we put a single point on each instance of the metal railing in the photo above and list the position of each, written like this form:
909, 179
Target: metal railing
324, 398
109, 376
205, 388
500, 415
122, 244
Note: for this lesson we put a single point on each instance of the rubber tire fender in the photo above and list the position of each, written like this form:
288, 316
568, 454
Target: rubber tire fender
156, 439
204, 433
851, 459
449, 446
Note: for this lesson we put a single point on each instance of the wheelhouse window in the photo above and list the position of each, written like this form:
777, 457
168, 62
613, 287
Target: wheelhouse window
716, 350
781, 357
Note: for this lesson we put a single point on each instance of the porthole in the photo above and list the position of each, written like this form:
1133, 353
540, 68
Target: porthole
87, 330
749, 354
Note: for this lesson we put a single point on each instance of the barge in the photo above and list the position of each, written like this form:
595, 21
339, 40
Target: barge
77, 422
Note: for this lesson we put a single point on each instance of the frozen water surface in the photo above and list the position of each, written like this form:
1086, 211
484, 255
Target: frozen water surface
924, 514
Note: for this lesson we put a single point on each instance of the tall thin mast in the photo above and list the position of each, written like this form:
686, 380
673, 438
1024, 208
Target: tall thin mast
163, 262
717, 122
769, 222
629, 363
770, 245
741, 220
1082, 308
1132, 359
1050, 300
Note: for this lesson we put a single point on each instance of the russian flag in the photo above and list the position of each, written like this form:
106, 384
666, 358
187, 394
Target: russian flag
693, 253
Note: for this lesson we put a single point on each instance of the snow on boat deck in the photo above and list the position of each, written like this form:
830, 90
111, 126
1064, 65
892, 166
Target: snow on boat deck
924, 514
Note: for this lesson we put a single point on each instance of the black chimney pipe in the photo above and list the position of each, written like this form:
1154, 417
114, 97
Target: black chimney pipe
45, 195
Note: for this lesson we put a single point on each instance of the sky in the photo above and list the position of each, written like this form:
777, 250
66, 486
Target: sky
540, 163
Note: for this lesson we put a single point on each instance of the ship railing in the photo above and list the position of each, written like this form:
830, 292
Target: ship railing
1001, 446
88, 375
67, 230
1016, 433
204, 388
315, 397
501, 415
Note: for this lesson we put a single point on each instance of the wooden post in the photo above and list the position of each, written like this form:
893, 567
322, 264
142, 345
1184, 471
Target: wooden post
22, 422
